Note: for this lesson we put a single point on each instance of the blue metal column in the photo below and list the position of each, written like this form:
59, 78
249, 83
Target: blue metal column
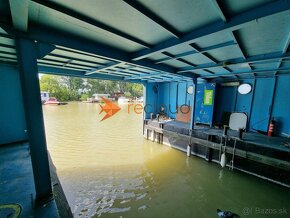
27, 60
272, 102
194, 103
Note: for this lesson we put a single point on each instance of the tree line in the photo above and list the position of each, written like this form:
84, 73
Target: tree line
66, 88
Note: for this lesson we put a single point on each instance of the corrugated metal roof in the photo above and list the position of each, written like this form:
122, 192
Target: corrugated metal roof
152, 40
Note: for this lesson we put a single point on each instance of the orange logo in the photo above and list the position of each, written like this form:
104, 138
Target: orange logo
109, 108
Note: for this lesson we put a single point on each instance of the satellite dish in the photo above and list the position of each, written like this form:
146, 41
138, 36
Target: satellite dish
244, 89
190, 90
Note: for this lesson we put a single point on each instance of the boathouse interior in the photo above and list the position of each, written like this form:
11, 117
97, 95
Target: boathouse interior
195, 53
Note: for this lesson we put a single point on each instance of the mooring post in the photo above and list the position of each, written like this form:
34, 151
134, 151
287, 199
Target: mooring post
209, 150
27, 61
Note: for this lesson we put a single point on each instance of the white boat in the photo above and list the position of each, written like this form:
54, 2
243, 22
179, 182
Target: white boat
123, 100
89, 100
98, 97
140, 100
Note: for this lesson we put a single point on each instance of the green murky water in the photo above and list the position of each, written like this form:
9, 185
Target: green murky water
107, 169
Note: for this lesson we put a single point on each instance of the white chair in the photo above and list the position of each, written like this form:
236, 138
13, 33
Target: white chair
238, 121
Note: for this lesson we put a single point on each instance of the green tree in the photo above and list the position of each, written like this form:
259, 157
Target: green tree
51, 84
63, 88
94, 86
72, 88
137, 90
84, 97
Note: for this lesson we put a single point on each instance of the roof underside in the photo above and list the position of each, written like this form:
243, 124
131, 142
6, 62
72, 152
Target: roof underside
151, 40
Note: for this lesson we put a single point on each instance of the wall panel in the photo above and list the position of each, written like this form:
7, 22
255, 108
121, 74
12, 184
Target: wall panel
12, 118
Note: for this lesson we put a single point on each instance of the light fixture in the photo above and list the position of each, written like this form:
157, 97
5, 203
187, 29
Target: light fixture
190, 90
244, 89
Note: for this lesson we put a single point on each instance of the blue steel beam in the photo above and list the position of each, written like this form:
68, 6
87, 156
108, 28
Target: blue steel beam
240, 48
206, 49
76, 59
154, 74
27, 60
125, 69
252, 71
60, 38
192, 120
117, 73
210, 58
162, 77
130, 69
130, 73
5, 36
284, 50
218, 9
69, 62
142, 77
41, 62
253, 59
57, 37
234, 23
67, 72
44, 49
208, 71
157, 79
108, 66
7, 25
178, 59
250, 76
104, 74
60, 70
287, 44
238, 44
204, 54
167, 80
135, 71
152, 16
89, 20
74, 73
73, 51
197, 50
19, 13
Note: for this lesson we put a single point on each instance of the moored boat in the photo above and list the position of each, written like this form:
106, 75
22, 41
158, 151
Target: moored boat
54, 101
123, 100
140, 100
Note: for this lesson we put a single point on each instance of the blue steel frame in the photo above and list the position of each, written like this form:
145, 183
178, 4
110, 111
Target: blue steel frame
232, 24
253, 59
91, 21
228, 25
27, 59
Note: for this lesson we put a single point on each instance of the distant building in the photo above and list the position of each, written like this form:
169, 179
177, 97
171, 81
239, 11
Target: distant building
44, 96
97, 97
